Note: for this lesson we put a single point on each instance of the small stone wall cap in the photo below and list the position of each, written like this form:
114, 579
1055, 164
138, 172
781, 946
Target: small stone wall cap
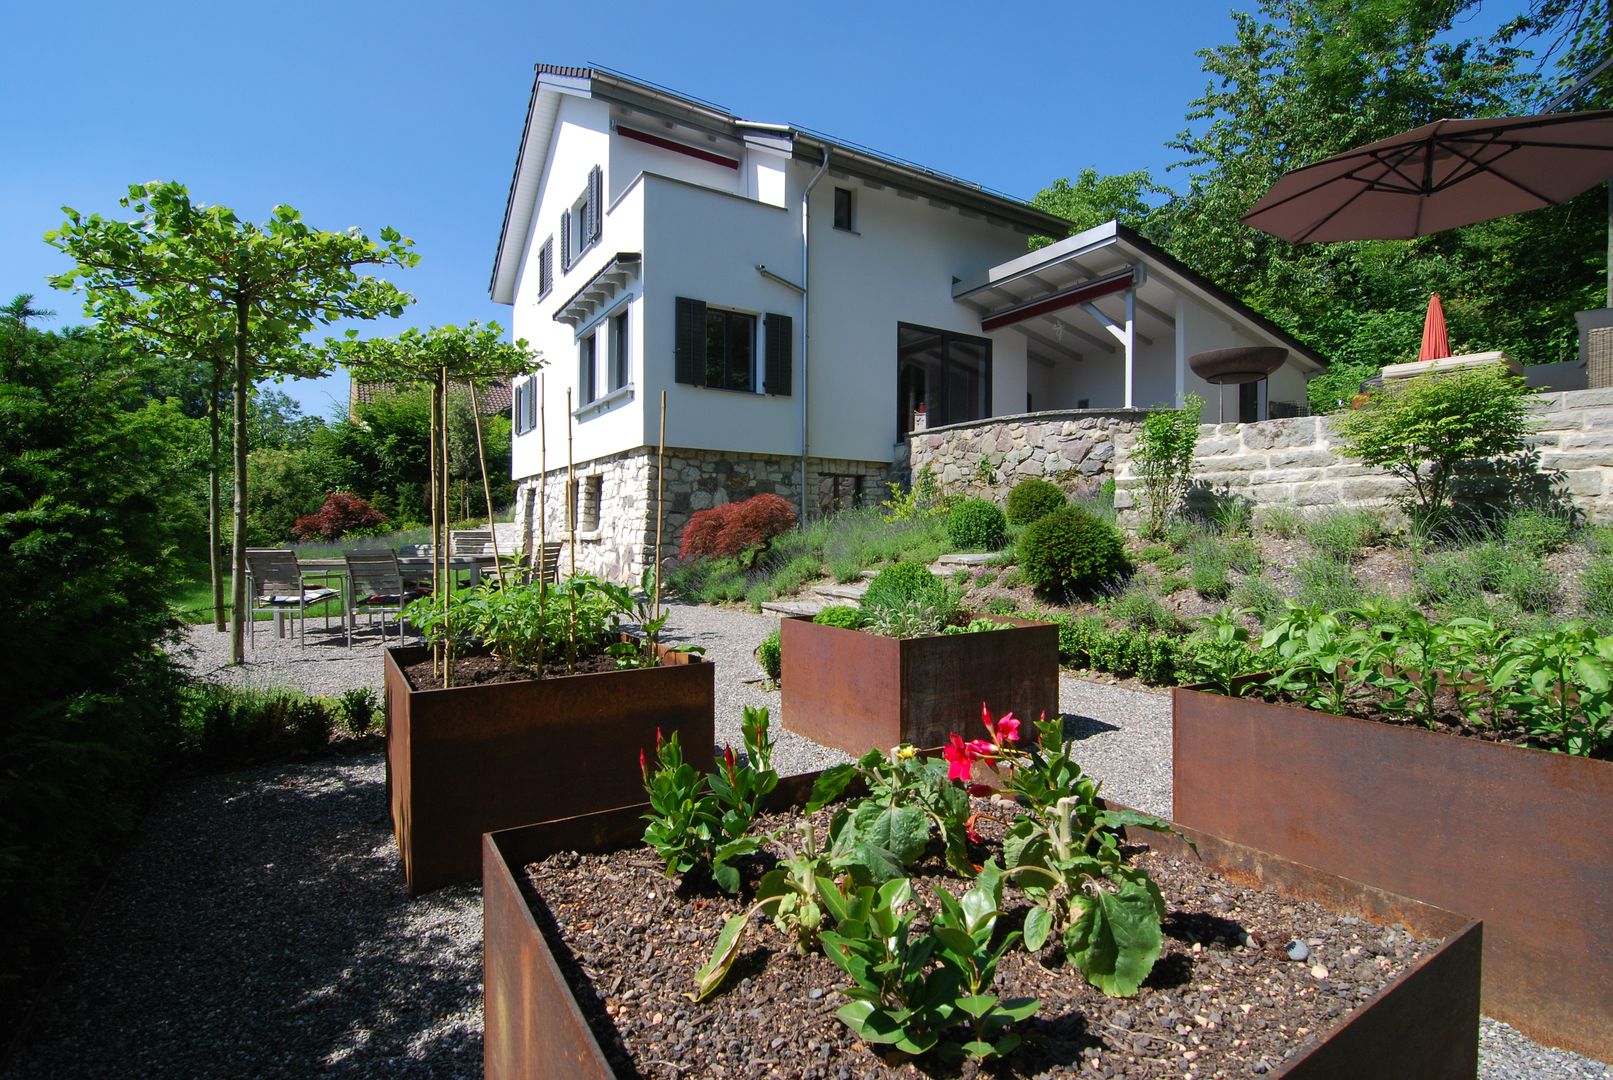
1452, 363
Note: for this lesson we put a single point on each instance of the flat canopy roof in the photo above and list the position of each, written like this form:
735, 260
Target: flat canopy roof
1062, 297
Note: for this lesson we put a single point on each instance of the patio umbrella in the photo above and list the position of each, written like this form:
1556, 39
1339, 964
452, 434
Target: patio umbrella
1439, 176
1436, 342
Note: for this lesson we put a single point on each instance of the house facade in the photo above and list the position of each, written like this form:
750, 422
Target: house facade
801, 305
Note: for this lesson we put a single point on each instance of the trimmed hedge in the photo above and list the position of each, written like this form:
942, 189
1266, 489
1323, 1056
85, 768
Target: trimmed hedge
977, 525
1071, 550
1033, 499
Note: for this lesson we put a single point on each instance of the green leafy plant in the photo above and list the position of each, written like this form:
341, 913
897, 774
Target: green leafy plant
1541, 532
1070, 550
1448, 580
976, 525
922, 500
1222, 652
1566, 691
1342, 534
1163, 459
1280, 521
1326, 583
965, 930
357, 710
769, 655
1139, 608
905, 583
1171, 584
1596, 590
1233, 515
1422, 429
1088, 642
1208, 571
1257, 596
842, 615
889, 829
1033, 499
1315, 658
1243, 555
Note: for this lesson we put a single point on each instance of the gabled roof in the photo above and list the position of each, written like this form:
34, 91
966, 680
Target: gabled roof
553, 82
1104, 256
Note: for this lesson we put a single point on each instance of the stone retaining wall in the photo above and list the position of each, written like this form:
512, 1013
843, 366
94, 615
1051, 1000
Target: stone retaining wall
1075, 449
623, 542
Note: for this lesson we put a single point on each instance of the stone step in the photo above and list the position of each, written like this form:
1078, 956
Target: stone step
849, 593
795, 605
955, 559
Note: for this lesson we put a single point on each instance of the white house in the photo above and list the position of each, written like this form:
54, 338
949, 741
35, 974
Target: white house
802, 303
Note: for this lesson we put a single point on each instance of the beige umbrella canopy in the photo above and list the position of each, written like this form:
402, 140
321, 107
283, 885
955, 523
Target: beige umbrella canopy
1440, 176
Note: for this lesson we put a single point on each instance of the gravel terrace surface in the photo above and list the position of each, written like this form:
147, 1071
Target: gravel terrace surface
257, 924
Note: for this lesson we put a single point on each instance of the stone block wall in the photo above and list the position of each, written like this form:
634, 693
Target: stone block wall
1075, 449
1299, 462
623, 544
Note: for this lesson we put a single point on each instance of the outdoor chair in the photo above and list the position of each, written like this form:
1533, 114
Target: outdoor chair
375, 586
274, 583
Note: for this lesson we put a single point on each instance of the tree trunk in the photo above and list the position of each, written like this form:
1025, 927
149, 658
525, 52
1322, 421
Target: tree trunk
243, 365
215, 526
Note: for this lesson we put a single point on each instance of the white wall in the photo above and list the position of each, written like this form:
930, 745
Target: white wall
1207, 329
898, 266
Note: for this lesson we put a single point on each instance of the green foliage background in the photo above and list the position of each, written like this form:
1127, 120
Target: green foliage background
1304, 79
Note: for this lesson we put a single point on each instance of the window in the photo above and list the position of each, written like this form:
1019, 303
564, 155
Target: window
587, 364
580, 226
718, 348
546, 268
844, 205
582, 503
944, 375
621, 368
526, 405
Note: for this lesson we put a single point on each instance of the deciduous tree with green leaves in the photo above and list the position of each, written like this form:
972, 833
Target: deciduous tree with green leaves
1424, 428
1163, 458
182, 263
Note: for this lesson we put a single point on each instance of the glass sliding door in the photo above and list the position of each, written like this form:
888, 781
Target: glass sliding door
942, 376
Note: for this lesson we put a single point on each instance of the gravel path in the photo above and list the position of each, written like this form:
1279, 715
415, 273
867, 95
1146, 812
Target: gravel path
258, 925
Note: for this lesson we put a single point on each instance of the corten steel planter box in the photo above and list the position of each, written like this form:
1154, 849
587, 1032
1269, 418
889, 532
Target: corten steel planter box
471, 759
857, 691
1519, 838
1423, 1024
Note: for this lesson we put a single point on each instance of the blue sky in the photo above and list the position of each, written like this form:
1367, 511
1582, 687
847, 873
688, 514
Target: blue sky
408, 114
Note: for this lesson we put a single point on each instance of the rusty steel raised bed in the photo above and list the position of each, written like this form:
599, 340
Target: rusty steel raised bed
1516, 837
471, 759
1425, 1023
857, 691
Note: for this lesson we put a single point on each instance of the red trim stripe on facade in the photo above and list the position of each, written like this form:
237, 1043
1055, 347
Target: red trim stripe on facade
677, 147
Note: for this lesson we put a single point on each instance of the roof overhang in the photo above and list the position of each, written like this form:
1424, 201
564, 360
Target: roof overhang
1052, 295
601, 290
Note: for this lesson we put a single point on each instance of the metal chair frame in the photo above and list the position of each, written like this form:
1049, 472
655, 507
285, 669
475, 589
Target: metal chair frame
274, 583
374, 584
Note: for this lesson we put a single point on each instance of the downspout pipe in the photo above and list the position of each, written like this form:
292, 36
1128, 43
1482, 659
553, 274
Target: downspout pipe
806, 322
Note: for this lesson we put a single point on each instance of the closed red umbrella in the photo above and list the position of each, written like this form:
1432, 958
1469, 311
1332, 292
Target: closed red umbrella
1439, 176
1436, 341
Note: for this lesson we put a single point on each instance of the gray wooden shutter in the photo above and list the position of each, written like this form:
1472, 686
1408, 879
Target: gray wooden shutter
690, 338
596, 203
780, 354
546, 267
565, 239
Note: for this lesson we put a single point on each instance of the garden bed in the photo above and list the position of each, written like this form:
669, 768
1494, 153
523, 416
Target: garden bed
857, 691
470, 759
1368, 1000
1514, 836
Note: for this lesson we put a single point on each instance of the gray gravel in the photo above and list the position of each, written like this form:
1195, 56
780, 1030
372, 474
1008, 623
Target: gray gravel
258, 924
325, 665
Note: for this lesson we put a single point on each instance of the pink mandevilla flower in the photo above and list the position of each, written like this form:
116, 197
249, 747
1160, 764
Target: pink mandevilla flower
959, 758
1008, 729
980, 748
728, 759
643, 763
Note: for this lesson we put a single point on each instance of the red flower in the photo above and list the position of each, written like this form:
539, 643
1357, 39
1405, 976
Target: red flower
960, 758
985, 718
980, 748
1008, 729
728, 760
643, 764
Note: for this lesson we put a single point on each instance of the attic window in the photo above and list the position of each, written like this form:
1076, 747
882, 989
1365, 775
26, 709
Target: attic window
844, 207
581, 225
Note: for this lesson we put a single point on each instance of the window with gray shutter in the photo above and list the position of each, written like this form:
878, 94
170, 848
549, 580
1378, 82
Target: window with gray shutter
780, 354
546, 268
689, 337
596, 204
519, 410
565, 240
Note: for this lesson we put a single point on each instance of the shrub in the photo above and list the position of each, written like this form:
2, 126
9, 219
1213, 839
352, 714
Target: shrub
904, 584
1326, 583
770, 656
1153, 553
1421, 429
1012, 578
1171, 584
1181, 534
842, 615
1283, 521
357, 710
1087, 642
977, 525
229, 725
1208, 572
1232, 515
1529, 583
1033, 499
736, 527
710, 581
792, 575
1244, 556
1000, 605
1537, 531
343, 514
1259, 596
845, 570
1071, 549
1448, 580
1139, 608
1163, 458
1596, 591
1342, 534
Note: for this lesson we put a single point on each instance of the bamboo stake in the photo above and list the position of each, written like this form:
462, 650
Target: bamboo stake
543, 509
436, 583
660, 486
487, 490
448, 541
573, 499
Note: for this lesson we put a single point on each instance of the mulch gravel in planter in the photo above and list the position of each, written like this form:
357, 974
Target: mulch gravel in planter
1245, 979
481, 670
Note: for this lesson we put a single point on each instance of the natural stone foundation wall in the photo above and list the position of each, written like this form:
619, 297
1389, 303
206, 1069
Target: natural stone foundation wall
1075, 449
623, 544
